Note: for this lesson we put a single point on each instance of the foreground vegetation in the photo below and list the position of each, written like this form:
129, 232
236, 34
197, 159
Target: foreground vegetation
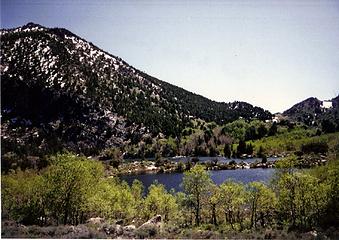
74, 189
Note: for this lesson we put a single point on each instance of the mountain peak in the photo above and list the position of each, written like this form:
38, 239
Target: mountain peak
312, 111
31, 25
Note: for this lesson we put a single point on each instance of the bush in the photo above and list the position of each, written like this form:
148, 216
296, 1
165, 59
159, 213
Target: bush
207, 227
315, 147
146, 231
264, 159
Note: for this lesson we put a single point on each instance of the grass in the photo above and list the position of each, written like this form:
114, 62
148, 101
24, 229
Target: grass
290, 141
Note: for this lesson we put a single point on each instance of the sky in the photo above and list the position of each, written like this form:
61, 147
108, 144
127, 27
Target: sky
271, 54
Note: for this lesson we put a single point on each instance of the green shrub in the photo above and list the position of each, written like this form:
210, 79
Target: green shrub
315, 147
146, 231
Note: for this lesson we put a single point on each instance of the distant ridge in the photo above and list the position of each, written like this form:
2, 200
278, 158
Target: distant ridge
313, 111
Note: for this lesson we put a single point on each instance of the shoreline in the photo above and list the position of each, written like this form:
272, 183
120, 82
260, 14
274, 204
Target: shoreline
149, 167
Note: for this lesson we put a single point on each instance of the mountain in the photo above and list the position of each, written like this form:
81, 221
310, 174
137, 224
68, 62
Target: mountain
313, 111
308, 106
60, 91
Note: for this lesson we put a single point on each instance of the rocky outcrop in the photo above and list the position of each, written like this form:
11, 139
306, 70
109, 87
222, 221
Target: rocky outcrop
96, 220
129, 228
154, 221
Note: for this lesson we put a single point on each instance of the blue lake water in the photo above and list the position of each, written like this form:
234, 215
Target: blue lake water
173, 180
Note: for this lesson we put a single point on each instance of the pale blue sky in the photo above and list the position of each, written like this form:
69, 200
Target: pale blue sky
269, 53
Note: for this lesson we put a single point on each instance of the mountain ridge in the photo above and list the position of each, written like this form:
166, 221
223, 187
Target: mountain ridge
105, 101
65, 31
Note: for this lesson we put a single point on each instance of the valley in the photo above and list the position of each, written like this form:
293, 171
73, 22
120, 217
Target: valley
92, 147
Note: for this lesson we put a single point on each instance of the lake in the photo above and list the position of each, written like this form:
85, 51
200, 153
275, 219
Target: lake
173, 180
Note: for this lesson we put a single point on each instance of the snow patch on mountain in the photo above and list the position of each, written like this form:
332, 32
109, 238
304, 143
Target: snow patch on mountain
326, 104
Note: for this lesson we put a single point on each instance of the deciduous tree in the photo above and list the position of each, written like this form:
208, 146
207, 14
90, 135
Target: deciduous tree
196, 183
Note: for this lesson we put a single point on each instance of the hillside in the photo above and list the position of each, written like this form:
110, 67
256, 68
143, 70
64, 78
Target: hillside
60, 91
314, 112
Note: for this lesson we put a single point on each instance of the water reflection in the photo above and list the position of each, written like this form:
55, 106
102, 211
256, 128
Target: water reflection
173, 180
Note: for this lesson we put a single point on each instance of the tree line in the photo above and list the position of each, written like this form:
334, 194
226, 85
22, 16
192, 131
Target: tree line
73, 189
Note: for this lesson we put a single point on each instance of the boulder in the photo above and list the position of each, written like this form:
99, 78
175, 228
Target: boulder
96, 220
155, 221
119, 222
115, 230
129, 228
80, 231
312, 234
118, 230
9, 223
129, 231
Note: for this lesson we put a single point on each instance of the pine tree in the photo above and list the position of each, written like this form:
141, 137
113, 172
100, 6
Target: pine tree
227, 150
